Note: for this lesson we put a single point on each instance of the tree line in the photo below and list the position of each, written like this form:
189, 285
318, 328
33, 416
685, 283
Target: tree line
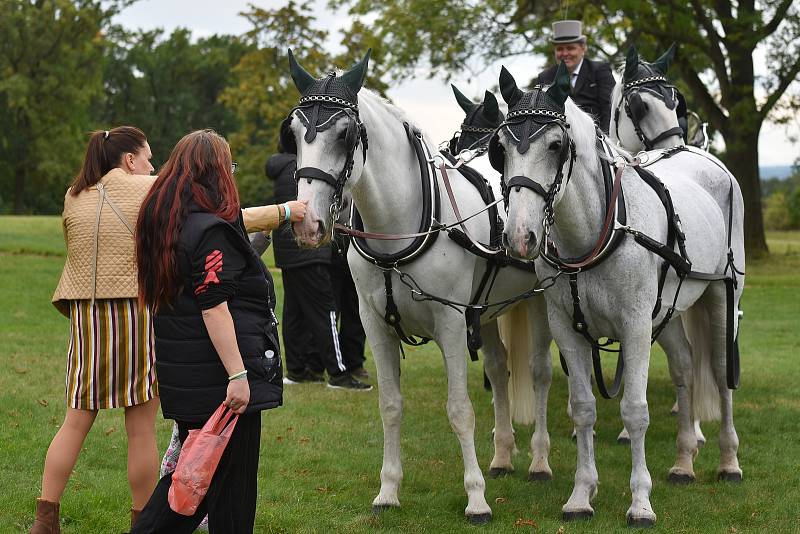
66, 69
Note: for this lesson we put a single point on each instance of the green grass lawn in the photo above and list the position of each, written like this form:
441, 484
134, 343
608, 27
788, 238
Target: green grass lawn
321, 452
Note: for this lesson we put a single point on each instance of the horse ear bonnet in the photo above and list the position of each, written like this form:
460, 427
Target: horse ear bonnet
545, 103
636, 69
322, 100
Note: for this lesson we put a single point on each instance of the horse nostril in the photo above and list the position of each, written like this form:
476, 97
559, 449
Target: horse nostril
531, 241
321, 228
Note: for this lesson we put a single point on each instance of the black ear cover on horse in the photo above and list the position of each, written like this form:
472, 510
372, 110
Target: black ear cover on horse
631, 65
354, 78
466, 104
491, 110
508, 88
561, 87
286, 136
662, 63
301, 78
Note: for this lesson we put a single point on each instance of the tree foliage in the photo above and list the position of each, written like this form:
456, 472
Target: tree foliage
168, 85
48, 78
717, 41
263, 93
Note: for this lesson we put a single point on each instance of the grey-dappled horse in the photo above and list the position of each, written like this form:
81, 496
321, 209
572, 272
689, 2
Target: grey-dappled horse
646, 110
383, 172
566, 211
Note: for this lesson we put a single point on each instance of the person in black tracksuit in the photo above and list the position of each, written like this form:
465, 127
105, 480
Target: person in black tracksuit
351, 332
311, 340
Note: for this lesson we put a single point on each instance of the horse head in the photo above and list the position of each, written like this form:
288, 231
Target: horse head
645, 105
325, 132
479, 123
534, 152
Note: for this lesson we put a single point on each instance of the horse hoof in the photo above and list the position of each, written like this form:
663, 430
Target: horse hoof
681, 479
479, 519
640, 522
539, 476
578, 515
624, 441
377, 509
729, 476
497, 472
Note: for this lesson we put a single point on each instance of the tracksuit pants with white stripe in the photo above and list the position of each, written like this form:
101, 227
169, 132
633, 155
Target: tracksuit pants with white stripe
310, 338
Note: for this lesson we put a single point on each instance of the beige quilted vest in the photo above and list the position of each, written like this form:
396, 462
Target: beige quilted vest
98, 229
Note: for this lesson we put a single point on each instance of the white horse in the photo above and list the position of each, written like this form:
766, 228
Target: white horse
644, 116
329, 130
557, 199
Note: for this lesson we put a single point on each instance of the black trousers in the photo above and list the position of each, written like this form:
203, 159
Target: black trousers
231, 499
310, 338
351, 332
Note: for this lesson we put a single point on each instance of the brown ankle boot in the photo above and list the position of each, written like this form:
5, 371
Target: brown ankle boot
134, 516
46, 521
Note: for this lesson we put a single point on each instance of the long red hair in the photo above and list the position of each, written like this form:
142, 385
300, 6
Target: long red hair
198, 171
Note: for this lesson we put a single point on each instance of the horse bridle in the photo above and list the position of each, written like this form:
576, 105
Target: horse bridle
567, 152
356, 134
634, 107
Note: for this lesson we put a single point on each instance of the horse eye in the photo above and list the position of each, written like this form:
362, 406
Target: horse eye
555, 145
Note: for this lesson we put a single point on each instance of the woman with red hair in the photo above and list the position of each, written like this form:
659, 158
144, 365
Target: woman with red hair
199, 274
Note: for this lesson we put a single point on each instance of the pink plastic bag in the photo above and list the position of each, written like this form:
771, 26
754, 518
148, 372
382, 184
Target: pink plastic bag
198, 461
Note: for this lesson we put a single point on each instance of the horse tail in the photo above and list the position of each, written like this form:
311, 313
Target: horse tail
514, 332
705, 392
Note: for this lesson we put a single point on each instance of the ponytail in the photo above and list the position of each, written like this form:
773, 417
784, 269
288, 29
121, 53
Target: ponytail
104, 152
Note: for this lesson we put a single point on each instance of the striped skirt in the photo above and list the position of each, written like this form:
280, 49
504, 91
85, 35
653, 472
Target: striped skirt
111, 357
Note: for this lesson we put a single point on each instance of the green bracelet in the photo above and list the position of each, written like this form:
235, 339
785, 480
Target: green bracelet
236, 376
287, 212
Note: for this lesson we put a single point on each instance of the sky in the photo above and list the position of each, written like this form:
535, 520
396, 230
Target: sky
429, 103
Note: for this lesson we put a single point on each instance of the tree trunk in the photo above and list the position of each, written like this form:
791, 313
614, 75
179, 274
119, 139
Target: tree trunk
741, 157
741, 137
19, 189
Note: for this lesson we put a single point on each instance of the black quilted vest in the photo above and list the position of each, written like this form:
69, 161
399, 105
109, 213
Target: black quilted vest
191, 378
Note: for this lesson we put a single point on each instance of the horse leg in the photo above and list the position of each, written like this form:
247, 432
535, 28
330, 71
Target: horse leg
673, 341
542, 367
584, 415
386, 351
633, 407
729, 469
462, 418
497, 371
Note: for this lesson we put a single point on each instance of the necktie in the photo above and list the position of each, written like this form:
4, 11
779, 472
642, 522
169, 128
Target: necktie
573, 79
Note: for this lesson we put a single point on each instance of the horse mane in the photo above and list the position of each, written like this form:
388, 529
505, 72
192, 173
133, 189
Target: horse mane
373, 98
583, 133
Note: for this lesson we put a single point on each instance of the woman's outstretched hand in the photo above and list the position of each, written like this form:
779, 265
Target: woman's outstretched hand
297, 209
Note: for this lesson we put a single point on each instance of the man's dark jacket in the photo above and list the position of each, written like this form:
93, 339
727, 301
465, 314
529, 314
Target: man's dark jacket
592, 91
191, 378
280, 167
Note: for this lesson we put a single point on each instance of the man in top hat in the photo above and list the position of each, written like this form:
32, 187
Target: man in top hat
592, 81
